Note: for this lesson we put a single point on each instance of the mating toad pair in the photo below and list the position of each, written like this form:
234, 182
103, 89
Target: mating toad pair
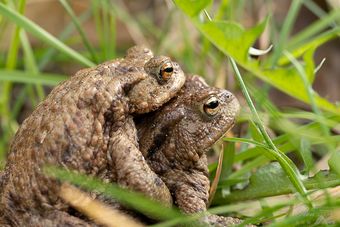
95, 123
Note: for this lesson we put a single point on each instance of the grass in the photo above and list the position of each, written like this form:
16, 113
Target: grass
270, 133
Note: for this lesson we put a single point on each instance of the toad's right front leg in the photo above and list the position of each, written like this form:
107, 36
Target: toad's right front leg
131, 169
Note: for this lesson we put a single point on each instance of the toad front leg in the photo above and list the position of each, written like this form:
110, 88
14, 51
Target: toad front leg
189, 185
191, 196
132, 170
190, 188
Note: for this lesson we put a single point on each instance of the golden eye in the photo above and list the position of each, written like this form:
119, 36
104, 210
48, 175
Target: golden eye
211, 106
166, 71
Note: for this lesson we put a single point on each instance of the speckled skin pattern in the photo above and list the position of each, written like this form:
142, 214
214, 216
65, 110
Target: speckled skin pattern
86, 124
175, 138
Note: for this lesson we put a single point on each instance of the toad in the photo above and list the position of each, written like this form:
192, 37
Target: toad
175, 138
85, 124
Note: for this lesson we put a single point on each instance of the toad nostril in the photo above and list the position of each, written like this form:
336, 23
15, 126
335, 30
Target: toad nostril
229, 95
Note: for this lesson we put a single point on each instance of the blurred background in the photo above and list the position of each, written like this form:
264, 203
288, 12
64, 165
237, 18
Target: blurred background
110, 27
107, 28
93, 31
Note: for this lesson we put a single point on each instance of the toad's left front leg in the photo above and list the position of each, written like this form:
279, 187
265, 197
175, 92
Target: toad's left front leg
191, 193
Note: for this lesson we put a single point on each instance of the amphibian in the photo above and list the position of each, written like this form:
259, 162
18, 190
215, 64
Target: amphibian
175, 138
86, 124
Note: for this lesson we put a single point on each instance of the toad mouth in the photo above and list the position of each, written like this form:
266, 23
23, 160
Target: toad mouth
230, 127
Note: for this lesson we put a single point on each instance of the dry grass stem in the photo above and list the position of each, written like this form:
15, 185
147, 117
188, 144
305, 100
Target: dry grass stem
94, 209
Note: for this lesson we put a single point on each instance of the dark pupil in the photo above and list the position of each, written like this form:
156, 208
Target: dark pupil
168, 69
212, 104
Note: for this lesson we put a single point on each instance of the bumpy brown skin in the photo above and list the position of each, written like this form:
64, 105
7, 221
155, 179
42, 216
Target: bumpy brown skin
85, 124
175, 138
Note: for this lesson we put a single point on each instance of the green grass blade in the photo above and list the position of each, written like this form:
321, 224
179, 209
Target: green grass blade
81, 32
105, 23
41, 34
244, 140
50, 52
286, 28
29, 78
8, 125
122, 13
314, 8
19, 101
124, 196
31, 65
284, 161
312, 43
310, 92
314, 28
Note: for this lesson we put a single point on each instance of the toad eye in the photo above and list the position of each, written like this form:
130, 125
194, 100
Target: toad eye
211, 106
166, 71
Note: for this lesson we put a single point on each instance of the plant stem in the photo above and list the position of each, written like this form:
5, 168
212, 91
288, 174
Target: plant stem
284, 161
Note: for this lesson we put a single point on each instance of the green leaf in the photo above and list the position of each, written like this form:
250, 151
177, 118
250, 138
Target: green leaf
231, 37
310, 218
284, 78
271, 180
192, 7
308, 58
41, 34
234, 41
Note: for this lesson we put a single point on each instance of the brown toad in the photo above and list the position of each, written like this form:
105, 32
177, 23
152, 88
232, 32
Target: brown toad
174, 140
85, 124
